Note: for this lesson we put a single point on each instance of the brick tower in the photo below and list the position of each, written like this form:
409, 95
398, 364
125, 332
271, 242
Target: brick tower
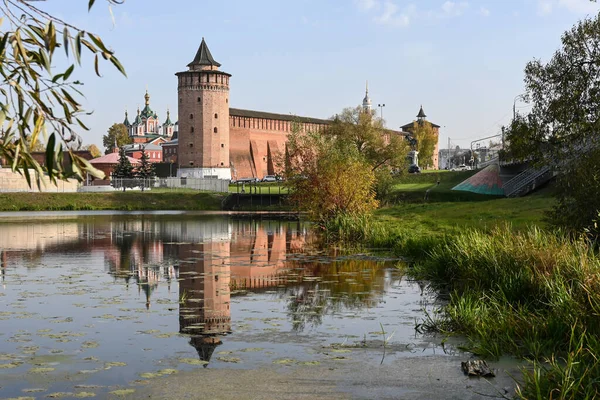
203, 93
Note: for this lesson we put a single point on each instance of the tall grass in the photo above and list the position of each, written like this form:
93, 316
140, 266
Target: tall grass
530, 293
534, 294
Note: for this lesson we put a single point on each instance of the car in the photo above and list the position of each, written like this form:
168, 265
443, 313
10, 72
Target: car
462, 167
246, 180
414, 169
269, 178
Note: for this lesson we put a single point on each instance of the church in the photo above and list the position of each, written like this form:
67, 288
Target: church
213, 140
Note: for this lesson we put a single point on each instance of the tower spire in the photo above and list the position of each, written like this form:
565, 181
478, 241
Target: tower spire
203, 58
367, 100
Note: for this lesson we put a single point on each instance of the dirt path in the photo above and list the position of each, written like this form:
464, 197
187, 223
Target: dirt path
436, 377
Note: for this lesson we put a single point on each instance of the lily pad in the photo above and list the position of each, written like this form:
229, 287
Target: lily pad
192, 361
114, 364
41, 370
122, 392
230, 359
167, 371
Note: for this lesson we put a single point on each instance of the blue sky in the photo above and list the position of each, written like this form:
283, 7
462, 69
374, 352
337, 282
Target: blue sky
462, 60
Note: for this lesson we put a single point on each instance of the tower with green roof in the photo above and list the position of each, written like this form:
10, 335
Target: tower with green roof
203, 131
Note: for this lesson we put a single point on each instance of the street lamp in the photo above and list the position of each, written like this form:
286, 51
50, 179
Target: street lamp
381, 110
517, 97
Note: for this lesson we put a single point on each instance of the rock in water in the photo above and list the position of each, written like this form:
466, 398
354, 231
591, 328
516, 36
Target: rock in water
476, 368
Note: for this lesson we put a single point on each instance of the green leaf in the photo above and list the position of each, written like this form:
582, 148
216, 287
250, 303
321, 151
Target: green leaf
77, 48
66, 40
91, 4
96, 66
98, 42
68, 72
50, 155
3, 43
117, 64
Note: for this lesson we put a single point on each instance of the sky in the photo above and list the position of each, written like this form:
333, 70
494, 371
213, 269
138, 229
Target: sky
463, 61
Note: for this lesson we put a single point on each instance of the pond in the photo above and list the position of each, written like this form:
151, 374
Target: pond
92, 303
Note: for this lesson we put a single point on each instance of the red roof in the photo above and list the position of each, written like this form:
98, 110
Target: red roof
112, 158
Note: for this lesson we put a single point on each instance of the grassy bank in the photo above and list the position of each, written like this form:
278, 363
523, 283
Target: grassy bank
415, 188
515, 286
131, 200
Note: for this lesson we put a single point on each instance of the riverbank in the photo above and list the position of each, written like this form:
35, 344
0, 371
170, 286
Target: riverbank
415, 378
515, 285
129, 201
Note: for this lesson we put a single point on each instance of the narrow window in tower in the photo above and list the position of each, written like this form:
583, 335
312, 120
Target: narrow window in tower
191, 116
226, 100
216, 130
191, 144
192, 129
199, 99
216, 115
221, 164
191, 163
222, 145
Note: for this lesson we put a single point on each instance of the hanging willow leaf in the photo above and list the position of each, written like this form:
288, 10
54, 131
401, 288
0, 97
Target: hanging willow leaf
33, 100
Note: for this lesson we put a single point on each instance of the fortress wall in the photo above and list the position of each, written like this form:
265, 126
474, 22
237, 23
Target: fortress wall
257, 145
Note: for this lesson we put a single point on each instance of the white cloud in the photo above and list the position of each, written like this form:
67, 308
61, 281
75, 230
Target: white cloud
388, 12
545, 7
367, 5
484, 11
392, 16
454, 9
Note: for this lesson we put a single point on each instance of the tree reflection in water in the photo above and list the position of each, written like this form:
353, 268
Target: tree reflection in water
212, 259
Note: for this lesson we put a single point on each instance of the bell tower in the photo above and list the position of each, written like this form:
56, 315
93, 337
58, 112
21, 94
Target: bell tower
203, 93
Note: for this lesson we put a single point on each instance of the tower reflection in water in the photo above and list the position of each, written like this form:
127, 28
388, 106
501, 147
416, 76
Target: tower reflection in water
204, 295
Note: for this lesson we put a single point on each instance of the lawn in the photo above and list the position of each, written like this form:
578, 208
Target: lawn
129, 200
451, 215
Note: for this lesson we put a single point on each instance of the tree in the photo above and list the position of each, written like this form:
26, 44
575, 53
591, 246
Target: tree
124, 169
93, 149
329, 177
380, 147
35, 101
116, 133
425, 140
562, 128
145, 170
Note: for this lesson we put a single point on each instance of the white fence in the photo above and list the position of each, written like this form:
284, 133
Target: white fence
210, 185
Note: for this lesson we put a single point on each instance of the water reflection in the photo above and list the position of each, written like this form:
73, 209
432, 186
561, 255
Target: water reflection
212, 260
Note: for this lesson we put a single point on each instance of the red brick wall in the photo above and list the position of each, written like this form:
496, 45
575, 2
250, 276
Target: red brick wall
257, 145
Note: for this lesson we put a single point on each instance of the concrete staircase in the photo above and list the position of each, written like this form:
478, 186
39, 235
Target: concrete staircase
527, 181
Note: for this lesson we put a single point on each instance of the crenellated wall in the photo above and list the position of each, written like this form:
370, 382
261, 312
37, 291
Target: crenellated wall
257, 141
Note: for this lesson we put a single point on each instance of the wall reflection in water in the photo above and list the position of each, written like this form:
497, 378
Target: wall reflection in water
212, 259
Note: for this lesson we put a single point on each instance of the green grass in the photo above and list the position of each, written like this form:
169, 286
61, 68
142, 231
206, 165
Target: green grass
419, 188
515, 286
129, 200
439, 218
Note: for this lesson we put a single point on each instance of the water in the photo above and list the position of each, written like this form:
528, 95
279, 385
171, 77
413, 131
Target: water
96, 302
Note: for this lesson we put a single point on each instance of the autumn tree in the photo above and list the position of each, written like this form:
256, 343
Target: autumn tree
329, 177
35, 100
380, 147
425, 140
93, 149
118, 134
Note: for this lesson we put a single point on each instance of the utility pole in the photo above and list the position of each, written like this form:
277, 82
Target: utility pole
381, 110
448, 157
